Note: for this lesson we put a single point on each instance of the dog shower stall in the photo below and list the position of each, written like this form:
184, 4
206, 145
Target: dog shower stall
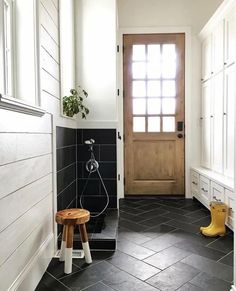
87, 178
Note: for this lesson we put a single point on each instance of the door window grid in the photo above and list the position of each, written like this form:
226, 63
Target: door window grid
154, 88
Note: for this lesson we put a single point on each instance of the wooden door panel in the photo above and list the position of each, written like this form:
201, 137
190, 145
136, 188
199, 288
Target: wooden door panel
154, 113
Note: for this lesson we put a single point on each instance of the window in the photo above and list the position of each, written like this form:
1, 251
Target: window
19, 54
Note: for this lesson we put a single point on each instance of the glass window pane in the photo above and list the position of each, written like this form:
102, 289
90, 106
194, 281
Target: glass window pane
153, 89
139, 53
139, 89
168, 89
168, 106
168, 124
139, 106
153, 70
168, 51
154, 106
153, 124
139, 124
154, 52
139, 70
169, 69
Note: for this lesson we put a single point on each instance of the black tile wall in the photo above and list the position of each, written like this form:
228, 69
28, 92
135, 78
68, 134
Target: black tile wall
105, 154
66, 167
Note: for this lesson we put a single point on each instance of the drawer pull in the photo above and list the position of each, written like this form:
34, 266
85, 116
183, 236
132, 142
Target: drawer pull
204, 190
214, 197
194, 183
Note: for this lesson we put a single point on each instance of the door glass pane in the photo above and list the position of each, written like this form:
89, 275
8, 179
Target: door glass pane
139, 53
139, 106
169, 69
154, 106
153, 124
139, 89
154, 52
139, 70
168, 89
153, 89
168, 124
139, 124
168, 106
168, 52
153, 70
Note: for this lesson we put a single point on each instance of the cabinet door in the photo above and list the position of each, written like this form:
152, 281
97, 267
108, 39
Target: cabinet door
229, 111
217, 192
217, 123
206, 58
218, 48
206, 124
229, 200
230, 39
195, 183
205, 189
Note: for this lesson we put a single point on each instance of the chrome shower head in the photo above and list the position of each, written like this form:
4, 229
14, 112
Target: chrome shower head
89, 141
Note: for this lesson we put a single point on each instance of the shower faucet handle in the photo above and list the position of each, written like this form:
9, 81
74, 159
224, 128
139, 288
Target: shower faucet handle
90, 141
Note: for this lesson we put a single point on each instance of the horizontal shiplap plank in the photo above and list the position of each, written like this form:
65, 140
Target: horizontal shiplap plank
17, 175
51, 10
50, 85
21, 201
11, 121
16, 263
49, 64
18, 231
48, 24
49, 44
19, 146
51, 103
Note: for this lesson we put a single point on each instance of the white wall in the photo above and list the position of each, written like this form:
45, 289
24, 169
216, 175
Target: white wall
150, 16
96, 58
27, 166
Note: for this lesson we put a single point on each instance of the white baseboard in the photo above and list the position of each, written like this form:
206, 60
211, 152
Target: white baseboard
233, 288
30, 276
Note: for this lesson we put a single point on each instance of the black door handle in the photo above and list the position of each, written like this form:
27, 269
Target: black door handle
180, 135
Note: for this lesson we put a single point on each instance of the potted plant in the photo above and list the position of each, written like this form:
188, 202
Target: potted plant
73, 103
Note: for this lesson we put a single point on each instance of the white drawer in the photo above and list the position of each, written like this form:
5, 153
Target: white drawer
217, 192
205, 188
195, 182
229, 200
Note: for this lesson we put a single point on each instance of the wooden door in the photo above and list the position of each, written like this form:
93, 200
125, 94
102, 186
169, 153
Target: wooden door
154, 113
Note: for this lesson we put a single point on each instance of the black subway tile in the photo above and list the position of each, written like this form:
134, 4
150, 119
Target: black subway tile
65, 157
101, 136
108, 153
66, 177
66, 197
65, 137
83, 153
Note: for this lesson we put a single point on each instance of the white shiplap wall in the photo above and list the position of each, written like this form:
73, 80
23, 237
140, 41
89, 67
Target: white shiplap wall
26, 171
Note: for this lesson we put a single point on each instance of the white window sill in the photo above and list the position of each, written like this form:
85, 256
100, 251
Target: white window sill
17, 105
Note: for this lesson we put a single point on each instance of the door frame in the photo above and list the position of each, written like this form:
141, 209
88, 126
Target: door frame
188, 90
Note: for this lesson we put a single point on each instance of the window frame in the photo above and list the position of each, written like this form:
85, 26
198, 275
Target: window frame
10, 101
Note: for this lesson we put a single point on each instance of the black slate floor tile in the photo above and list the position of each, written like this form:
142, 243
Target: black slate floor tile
200, 250
97, 257
135, 267
228, 259
96, 287
137, 237
198, 214
185, 226
149, 207
134, 250
189, 287
132, 225
205, 221
122, 281
90, 276
210, 267
130, 216
224, 244
158, 230
210, 283
173, 277
167, 257
153, 213
155, 221
49, 283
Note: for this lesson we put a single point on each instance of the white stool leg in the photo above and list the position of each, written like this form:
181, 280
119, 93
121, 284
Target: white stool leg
85, 244
63, 245
69, 249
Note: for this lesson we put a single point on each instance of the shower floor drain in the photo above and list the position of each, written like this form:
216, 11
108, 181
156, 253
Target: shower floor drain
76, 254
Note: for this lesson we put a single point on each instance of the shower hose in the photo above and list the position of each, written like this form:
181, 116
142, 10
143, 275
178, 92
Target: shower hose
93, 166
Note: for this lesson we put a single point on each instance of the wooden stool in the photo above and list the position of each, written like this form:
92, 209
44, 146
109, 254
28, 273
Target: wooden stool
69, 218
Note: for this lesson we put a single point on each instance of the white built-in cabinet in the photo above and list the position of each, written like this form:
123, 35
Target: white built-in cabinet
213, 179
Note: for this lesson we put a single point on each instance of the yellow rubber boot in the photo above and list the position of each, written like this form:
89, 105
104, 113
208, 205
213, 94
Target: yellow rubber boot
210, 225
218, 213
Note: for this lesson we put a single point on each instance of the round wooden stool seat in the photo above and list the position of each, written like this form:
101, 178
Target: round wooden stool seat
72, 216
69, 218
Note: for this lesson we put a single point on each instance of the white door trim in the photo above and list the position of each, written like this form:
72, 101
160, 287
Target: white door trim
188, 91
